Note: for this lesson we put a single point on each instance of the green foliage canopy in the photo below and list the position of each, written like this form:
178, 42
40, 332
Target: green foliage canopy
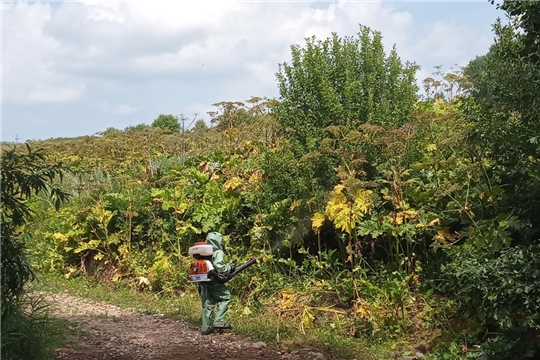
169, 123
343, 81
23, 175
506, 110
527, 17
200, 125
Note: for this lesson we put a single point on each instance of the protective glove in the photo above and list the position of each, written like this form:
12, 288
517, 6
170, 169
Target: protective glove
233, 267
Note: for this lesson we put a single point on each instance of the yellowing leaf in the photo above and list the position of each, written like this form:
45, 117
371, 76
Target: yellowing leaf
345, 214
70, 272
397, 219
316, 221
246, 311
361, 310
444, 235
295, 204
340, 212
431, 147
362, 201
60, 238
307, 319
342, 216
232, 183
410, 214
287, 299
255, 176
338, 189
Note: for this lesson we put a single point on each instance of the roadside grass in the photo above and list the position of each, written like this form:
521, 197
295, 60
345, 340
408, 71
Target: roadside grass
28, 332
262, 325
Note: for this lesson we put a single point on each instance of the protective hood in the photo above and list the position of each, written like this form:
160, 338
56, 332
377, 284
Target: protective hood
215, 239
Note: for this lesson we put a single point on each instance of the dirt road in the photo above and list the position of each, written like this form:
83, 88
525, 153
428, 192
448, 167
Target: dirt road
99, 331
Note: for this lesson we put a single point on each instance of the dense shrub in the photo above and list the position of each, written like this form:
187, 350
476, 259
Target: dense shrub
501, 294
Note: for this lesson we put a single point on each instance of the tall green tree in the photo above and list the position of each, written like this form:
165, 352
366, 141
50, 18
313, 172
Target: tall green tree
137, 127
473, 72
200, 125
23, 175
526, 16
507, 113
343, 81
168, 123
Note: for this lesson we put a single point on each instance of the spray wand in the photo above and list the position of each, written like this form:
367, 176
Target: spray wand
223, 278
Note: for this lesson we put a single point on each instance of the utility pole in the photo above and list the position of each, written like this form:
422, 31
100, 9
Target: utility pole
183, 119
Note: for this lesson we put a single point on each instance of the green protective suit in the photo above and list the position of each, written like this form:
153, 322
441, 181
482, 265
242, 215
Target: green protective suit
213, 294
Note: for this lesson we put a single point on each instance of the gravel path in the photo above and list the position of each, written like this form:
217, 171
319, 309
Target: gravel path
100, 331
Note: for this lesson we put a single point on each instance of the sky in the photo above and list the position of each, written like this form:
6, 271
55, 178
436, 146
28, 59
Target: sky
77, 68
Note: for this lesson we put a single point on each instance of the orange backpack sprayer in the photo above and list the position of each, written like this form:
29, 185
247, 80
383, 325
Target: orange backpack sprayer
202, 269
199, 270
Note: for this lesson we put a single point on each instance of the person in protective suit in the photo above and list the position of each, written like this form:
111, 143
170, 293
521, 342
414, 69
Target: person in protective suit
213, 293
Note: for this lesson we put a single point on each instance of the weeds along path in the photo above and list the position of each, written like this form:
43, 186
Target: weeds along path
105, 332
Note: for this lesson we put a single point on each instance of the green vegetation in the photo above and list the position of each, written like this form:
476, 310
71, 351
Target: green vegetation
200, 124
167, 122
410, 225
29, 333
25, 331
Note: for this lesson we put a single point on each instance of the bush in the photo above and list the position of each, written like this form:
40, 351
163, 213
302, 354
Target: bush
502, 294
168, 123
27, 332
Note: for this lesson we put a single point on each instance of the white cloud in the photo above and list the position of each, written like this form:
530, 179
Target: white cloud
444, 40
29, 64
47, 94
125, 109
177, 56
